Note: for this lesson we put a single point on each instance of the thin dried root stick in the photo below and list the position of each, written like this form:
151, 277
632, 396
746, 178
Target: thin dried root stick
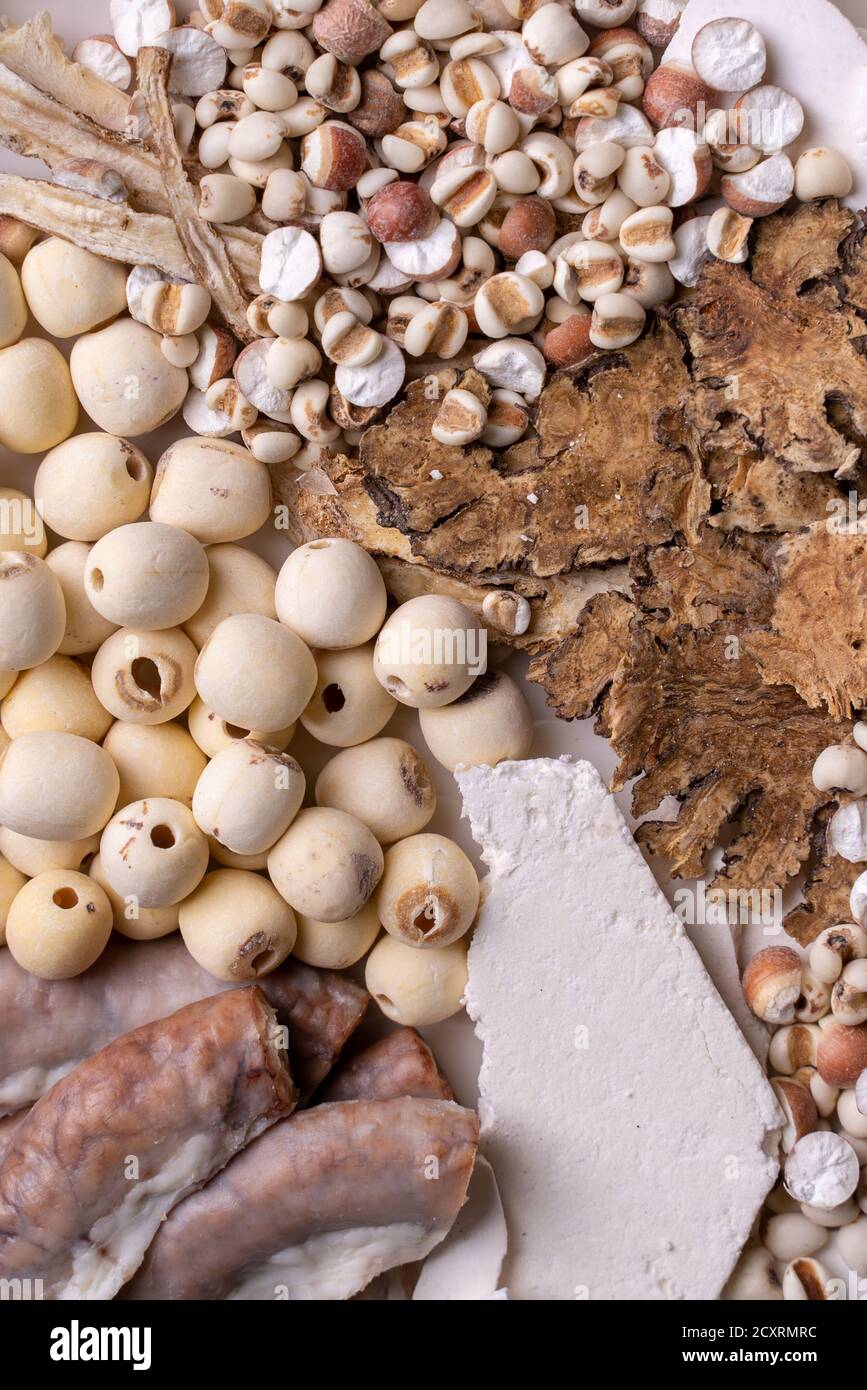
204, 247
34, 124
113, 230
33, 52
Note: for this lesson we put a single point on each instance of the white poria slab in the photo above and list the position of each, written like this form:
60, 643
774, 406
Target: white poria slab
815, 53
632, 1131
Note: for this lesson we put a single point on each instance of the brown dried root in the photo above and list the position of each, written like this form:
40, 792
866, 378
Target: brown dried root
116, 231
36, 125
32, 51
204, 247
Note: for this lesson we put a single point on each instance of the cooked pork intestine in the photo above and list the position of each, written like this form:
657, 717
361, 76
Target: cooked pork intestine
319, 1206
100, 1161
49, 1026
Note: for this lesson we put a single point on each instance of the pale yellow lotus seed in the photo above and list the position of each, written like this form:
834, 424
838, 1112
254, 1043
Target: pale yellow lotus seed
212, 488
349, 705
213, 734
58, 925
384, 783
430, 651
86, 630
38, 408
248, 796
92, 483
56, 786
56, 695
153, 851
489, 724
326, 865
429, 893
239, 582
147, 575
255, 673
331, 593
11, 883
237, 926
416, 988
32, 611
70, 290
13, 309
32, 856
336, 945
130, 918
154, 760
123, 380
21, 526
145, 677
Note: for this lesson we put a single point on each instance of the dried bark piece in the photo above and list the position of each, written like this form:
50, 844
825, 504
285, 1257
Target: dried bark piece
815, 640
768, 361
116, 231
577, 672
826, 890
36, 125
693, 716
32, 51
204, 246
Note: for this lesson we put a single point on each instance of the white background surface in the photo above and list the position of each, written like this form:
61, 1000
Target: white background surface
454, 1042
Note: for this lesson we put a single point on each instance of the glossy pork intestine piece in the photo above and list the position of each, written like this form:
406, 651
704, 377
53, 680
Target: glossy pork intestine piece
400, 1064
319, 1206
100, 1161
49, 1026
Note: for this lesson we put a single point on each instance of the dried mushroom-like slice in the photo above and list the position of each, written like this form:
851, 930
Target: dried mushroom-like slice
33, 51
817, 632
319, 508
719, 577
691, 718
204, 247
116, 231
826, 890
853, 280
794, 249
757, 494
577, 672
613, 468
692, 454
769, 361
